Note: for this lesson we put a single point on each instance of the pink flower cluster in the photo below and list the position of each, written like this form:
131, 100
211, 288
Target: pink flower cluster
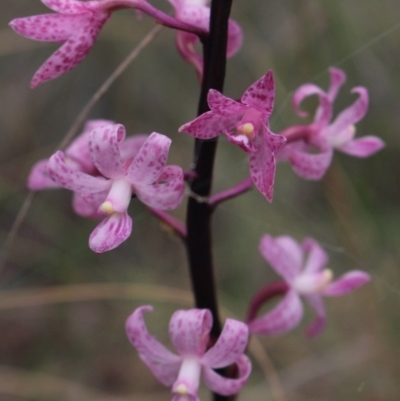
77, 24
189, 332
323, 135
104, 171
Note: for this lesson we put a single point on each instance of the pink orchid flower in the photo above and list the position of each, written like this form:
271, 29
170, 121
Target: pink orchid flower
196, 13
189, 332
77, 24
145, 175
313, 282
245, 124
322, 134
77, 156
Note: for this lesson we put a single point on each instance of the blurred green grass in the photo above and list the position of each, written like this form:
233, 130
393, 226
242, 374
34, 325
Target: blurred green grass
353, 211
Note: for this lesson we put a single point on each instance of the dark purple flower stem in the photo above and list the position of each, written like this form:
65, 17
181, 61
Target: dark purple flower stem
264, 295
199, 243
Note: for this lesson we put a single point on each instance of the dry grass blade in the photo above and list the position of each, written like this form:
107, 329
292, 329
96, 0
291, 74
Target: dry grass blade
82, 117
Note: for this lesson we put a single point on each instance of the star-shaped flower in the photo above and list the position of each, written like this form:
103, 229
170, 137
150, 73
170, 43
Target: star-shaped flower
77, 24
189, 332
197, 13
146, 176
312, 282
322, 134
246, 124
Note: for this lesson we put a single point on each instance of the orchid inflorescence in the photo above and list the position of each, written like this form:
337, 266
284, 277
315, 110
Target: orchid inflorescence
106, 171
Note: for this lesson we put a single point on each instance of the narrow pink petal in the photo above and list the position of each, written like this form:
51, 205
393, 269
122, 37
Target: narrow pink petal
185, 44
284, 317
189, 331
130, 147
363, 147
347, 283
104, 145
310, 166
209, 125
111, 232
235, 38
230, 345
283, 254
72, 52
49, 27
39, 177
262, 162
318, 325
352, 114
338, 78
167, 193
222, 385
261, 94
162, 362
66, 6
223, 105
325, 108
150, 161
72, 179
317, 257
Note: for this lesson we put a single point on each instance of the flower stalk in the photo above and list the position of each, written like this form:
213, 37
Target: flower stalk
199, 238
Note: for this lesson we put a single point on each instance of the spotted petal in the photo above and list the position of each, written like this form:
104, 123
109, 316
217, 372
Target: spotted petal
39, 177
104, 145
261, 94
111, 232
363, 147
351, 115
49, 27
223, 105
150, 161
262, 161
189, 331
284, 317
66, 6
230, 345
347, 283
167, 193
311, 166
222, 385
318, 325
75, 180
317, 257
73, 51
162, 362
210, 124
283, 254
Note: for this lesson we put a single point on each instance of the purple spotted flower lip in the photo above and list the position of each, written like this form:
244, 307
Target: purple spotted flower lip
77, 24
145, 175
197, 13
311, 282
246, 124
325, 135
189, 332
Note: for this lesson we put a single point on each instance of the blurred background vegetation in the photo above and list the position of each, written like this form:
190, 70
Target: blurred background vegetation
70, 344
